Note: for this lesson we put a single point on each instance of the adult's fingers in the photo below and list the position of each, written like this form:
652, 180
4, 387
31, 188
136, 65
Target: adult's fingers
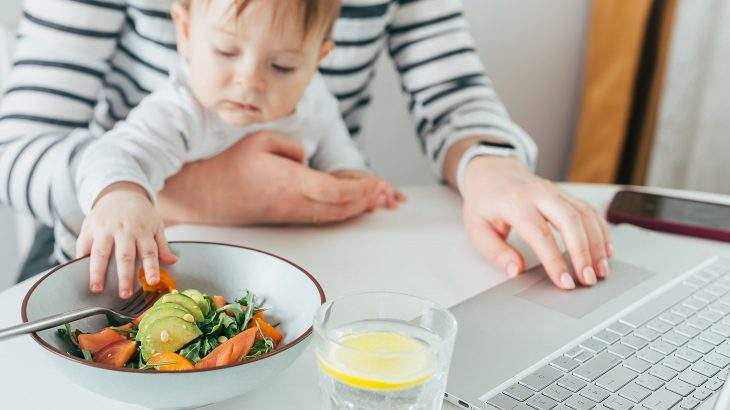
125, 253
284, 147
166, 255
569, 222
101, 250
147, 249
324, 188
534, 229
492, 246
596, 236
321, 213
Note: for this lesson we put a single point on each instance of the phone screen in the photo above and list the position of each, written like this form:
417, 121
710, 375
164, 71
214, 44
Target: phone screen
679, 210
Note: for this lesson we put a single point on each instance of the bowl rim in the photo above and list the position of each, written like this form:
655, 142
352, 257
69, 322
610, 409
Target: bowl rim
65, 355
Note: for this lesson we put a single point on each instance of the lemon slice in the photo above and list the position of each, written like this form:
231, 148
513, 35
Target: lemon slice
378, 361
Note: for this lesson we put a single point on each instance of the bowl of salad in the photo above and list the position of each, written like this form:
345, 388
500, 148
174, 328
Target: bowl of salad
226, 320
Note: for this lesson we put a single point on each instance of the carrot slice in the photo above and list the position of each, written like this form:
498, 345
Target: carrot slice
174, 361
165, 284
94, 342
218, 301
116, 354
229, 352
268, 330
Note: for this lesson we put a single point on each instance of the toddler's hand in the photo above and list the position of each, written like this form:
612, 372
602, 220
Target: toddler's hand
123, 219
384, 195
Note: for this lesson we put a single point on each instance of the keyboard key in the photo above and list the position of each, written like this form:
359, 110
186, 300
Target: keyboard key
695, 282
541, 402
623, 329
663, 372
659, 325
504, 402
720, 307
519, 392
675, 363
607, 337
594, 393
594, 345
710, 315
634, 342
693, 378
617, 403
621, 351
700, 346
722, 375
662, 347
573, 383
702, 393
616, 378
556, 392
573, 352
650, 382
680, 387
705, 296
594, 368
683, 310
578, 402
651, 356
722, 330
724, 349
687, 330
705, 369
671, 318
542, 378
699, 323
716, 290
655, 306
647, 334
713, 384
584, 356
661, 399
637, 365
688, 354
695, 303
712, 337
634, 392
675, 338
564, 363
689, 403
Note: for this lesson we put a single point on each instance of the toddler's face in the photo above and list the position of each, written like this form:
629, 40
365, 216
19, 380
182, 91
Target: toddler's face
249, 68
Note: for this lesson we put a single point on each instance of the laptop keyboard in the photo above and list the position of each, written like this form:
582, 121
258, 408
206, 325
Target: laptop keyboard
672, 352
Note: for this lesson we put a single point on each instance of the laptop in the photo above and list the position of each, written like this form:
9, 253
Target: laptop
655, 333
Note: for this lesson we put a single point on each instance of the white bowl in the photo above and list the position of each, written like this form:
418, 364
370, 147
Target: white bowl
292, 294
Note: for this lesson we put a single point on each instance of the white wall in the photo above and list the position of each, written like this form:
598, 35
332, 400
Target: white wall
533, 52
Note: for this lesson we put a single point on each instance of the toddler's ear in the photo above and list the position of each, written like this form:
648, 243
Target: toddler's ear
325, 49
181, 19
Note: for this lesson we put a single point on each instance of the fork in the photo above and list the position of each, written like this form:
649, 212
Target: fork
125, 313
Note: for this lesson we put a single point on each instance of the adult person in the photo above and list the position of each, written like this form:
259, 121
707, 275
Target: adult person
82, 65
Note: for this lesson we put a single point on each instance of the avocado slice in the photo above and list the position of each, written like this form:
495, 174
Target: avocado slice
168, 334
199, 298
157, 312
184, 301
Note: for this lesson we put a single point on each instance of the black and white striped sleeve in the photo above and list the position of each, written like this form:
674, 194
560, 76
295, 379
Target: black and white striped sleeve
58, 68
450, 96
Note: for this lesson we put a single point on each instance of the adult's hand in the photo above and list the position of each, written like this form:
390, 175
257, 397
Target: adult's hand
261, 180
501, 194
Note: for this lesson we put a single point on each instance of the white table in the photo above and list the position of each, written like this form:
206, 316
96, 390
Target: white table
420, 249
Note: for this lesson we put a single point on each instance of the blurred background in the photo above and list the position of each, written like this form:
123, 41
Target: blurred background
612, 91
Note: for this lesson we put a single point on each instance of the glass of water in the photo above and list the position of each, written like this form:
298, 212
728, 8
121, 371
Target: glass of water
385, 351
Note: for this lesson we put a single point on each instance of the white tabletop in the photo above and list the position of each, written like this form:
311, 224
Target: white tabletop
419, 249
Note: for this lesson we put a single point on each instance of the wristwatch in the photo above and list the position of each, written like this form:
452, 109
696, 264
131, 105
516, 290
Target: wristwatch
483, 148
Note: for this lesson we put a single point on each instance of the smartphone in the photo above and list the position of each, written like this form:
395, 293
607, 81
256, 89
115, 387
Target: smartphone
671, 214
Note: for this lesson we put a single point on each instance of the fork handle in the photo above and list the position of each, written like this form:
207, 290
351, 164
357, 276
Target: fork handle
50, 322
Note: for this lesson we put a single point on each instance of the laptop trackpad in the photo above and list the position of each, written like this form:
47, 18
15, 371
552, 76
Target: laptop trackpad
582, 301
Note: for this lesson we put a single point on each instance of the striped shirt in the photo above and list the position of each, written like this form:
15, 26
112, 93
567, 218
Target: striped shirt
81, 65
